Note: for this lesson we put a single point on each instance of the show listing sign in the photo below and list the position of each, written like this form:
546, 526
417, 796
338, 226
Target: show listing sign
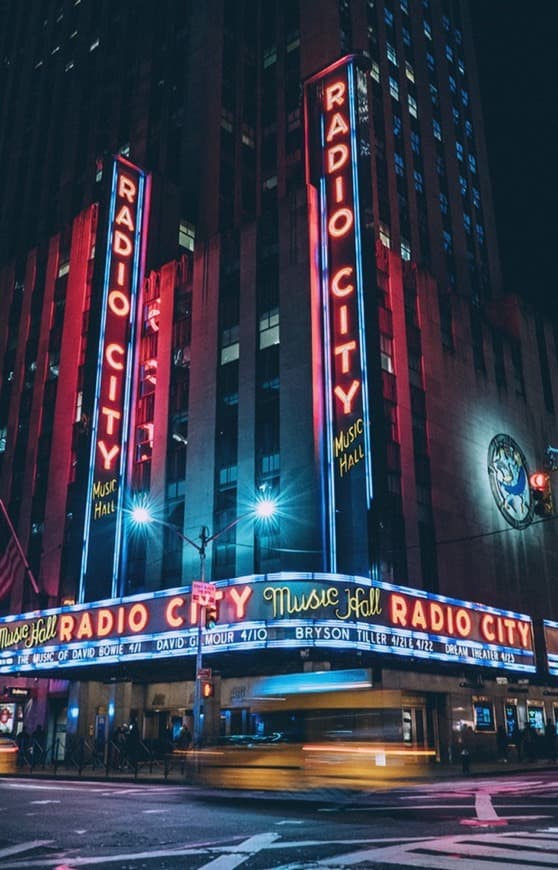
551, 645
287, 610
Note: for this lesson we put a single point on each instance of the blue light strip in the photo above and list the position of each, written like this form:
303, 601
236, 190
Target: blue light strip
95, 424
332, 542
360, 285
134, 291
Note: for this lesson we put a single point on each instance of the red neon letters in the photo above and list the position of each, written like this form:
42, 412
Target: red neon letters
458, 622
117, 318
340, 228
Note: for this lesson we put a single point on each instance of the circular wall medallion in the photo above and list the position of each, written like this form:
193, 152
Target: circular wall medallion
509, 481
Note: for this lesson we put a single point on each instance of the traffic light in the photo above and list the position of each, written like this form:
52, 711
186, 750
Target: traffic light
207, 689
541, 492
210, 617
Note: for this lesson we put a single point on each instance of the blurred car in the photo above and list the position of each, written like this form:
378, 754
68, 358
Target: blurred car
8, 755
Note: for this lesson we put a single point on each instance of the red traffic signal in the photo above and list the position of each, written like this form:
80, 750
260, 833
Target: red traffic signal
207, 689
539, 480
541, 493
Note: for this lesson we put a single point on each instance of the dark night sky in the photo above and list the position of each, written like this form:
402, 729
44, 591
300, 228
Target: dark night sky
517, 55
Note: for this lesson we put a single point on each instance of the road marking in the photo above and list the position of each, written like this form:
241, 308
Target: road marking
154, 811
290, 822
494, 850
23, 847
45, 802
242, 852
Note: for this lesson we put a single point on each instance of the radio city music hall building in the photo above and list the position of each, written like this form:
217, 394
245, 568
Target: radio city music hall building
261, 259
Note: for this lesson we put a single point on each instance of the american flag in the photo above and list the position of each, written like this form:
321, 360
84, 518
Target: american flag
9, 558
9, 555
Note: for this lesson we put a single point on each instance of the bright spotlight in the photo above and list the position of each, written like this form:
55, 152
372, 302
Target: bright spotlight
141, 515
265, 508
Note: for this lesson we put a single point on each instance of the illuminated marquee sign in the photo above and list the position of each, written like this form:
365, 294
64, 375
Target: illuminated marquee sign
551, 646
271, 612
337, 156
127, 217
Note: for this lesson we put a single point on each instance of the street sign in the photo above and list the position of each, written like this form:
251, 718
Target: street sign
204, 673
204, 593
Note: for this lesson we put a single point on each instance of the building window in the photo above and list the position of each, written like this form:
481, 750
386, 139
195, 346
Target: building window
437, 129
186, 235
444, 203
405, 249
270, 464
406, 36
399, 164
375, 71
269, 328
384, 235
463, 185
476, 196
427, 30
415, 142
413, 107
391, 53
386, 353
448, 241
269, 56
459, 151
409, 71
472, 160
230, 345
419, 181
388, 15
449, 53
393, 88
228, 477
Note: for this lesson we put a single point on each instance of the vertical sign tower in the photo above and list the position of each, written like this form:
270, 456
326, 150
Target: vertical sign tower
110, 419
339, 194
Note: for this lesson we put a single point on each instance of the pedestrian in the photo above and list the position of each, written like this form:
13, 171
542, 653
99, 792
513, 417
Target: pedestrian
184, 738
133, 741
465, 751
530, 743
518, 738
38, 745
502, 744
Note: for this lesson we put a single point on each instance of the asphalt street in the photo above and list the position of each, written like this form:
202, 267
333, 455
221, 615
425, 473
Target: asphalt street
494, 822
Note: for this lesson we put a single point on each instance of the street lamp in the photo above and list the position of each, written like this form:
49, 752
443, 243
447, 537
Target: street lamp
264, 508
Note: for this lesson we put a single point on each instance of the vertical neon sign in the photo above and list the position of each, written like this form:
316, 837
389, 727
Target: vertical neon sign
336, 157
126, 232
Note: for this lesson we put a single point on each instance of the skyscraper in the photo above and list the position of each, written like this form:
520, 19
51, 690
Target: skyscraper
299, 214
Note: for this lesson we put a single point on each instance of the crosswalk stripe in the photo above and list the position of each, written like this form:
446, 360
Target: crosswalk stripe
23, 847
495, 850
